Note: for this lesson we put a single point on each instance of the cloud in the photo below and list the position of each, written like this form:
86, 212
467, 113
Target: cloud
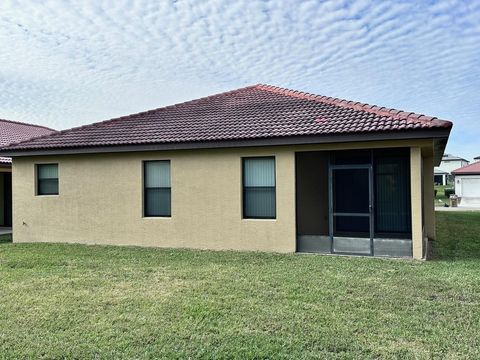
64, 64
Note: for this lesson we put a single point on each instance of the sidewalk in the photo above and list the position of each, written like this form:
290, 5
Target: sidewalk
459, 208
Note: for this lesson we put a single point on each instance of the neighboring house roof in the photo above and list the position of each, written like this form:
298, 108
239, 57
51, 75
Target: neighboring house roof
450, 157
438, 171
472, 169
254, 112
476, 158
13, 132
5, 160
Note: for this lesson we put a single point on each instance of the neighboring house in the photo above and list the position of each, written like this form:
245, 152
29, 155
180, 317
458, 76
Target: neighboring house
440, 177
449, 163
467, 184
258, 168
476, 158
13, 132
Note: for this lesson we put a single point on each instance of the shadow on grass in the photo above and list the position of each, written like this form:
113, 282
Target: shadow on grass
458, 236
7, 238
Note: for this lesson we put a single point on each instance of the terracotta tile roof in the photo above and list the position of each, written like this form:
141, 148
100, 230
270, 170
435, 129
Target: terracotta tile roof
254, 112
13, 132
471, 169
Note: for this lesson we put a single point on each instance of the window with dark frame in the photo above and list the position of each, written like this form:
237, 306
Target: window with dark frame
259, 188
157, 188
47, 179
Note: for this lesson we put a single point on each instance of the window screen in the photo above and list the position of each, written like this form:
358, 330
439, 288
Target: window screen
157, 188
392, 192
259, 188
47, 179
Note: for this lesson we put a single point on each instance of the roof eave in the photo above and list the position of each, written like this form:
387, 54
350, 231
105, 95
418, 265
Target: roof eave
440, 135
459, 159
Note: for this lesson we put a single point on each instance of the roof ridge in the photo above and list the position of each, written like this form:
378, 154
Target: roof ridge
252, 112
172, 106
373, 109
125, 117
27, 124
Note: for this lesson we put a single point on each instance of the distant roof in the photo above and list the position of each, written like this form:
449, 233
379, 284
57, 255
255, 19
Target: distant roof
14, 132
450, 157
472, 169
477, 157
254, 112
438, 171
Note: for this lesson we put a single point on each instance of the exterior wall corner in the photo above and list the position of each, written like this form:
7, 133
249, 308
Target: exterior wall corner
416, 202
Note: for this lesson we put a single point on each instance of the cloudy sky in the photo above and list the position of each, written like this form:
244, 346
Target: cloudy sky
64, 64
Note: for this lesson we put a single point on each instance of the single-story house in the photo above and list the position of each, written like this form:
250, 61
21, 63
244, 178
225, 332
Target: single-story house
13, 132
440, 177
258, 168
467, 184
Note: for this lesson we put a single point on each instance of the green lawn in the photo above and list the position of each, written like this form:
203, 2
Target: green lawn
74, 301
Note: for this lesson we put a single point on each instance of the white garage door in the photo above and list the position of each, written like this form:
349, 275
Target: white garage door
471, 187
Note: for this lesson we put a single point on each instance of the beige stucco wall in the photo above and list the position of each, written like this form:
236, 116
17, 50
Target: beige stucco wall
416, 201
428, 197
100, 200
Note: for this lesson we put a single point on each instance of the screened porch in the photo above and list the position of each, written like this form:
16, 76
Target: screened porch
354, 202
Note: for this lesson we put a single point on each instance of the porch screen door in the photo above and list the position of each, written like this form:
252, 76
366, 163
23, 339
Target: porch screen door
351, 228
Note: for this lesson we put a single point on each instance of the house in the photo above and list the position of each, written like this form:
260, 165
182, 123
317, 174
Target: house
12, 132
449, 163
476, 158
259, 168
440, 177
467, 184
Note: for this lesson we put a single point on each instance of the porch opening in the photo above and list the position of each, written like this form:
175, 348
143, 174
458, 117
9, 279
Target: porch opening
5, 199
354, 202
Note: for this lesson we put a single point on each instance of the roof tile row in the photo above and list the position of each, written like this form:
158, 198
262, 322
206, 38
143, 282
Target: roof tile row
14, 132
259, 111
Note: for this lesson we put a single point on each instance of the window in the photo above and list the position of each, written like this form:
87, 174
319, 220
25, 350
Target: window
259, 188
47, 179
157, 188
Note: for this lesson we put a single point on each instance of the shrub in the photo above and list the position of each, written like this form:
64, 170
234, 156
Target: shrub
449, 192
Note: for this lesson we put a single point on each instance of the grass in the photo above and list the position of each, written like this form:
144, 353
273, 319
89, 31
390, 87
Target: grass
75, 301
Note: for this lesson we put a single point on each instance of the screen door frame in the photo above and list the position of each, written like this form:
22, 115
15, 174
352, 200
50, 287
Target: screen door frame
332, 214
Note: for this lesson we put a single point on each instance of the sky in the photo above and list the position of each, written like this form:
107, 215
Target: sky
65, 64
